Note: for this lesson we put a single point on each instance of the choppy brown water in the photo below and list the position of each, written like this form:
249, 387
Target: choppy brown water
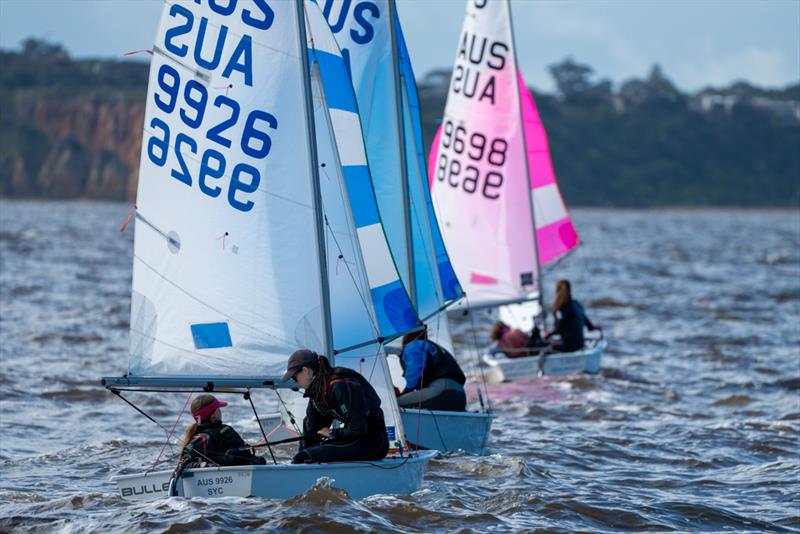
693, 425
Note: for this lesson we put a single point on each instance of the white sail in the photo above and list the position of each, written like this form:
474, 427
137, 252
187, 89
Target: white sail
226, 274
480, 181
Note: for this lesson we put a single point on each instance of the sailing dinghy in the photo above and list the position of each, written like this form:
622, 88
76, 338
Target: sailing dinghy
257, 233
497, 201
388, 104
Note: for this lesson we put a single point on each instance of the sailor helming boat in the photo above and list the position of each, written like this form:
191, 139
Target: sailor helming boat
252, 133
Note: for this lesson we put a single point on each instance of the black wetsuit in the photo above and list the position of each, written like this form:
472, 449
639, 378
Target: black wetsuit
351, 400
570, 320
212, 442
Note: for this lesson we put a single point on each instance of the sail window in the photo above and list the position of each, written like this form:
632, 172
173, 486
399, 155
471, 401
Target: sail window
211, 335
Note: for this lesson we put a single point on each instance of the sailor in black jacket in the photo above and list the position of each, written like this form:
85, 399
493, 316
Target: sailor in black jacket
208, 441
570, 319
341, 394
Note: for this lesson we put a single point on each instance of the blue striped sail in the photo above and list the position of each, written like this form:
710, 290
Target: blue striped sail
356, 27
368, 300
379, 283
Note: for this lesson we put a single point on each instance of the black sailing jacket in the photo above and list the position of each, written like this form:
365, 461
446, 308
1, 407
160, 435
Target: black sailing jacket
350, 399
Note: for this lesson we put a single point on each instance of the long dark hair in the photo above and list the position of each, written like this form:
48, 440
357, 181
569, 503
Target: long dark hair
563, 295
198, 403
322, 376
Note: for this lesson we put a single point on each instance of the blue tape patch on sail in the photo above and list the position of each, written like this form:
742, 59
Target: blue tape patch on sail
362, 199
211, 336
393, 309
336, 82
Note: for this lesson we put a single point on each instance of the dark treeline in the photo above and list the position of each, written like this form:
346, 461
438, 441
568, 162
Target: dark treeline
649, 144
644, 143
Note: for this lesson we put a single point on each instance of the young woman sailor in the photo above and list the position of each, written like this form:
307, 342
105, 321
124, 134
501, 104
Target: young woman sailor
207, 441
569, 320
341, 394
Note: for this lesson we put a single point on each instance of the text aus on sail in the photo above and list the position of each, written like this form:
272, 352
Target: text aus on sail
471, 160
194, 42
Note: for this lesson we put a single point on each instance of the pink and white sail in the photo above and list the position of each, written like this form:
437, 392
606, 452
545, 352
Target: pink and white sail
490, 169
555, 233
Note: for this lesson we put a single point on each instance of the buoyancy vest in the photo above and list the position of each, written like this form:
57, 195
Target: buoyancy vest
441, 364
211, 443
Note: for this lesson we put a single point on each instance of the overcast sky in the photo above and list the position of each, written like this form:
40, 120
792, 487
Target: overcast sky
697, 42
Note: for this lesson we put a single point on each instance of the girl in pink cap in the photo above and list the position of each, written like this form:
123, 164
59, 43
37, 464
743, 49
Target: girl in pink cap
207, 441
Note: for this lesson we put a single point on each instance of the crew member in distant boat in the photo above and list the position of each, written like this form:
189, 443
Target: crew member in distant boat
341, 394
512, 342
207, 441
434, 380
569, 320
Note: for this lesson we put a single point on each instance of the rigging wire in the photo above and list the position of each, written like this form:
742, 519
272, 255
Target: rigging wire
169, 436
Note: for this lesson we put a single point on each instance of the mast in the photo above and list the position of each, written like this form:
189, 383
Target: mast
317, 195
539, 286
412, 283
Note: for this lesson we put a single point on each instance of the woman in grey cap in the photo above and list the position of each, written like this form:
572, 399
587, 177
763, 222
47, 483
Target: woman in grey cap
341, 394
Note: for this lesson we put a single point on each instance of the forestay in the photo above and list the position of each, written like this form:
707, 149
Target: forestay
480, 182
226, 277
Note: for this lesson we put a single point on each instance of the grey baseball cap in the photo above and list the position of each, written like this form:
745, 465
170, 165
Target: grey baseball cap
299, 359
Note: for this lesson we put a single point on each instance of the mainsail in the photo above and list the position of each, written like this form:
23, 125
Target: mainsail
226, 271
228, 278
491, 174
479, 178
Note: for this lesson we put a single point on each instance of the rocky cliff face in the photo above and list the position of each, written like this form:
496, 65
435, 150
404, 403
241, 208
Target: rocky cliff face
78, 147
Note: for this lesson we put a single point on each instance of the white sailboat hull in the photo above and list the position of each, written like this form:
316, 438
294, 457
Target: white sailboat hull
358, 479
447, 431
502, 368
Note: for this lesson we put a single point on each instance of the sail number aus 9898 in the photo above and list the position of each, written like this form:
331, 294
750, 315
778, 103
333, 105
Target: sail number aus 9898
255, 142
478, 149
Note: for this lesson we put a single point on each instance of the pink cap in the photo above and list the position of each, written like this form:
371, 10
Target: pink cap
206, 411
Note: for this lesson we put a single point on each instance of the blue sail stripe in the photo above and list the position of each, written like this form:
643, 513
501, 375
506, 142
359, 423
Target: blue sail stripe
362, 198
393, 308
337, 85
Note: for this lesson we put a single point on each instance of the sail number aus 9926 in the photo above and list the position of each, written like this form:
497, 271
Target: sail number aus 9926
481, 154
191, 104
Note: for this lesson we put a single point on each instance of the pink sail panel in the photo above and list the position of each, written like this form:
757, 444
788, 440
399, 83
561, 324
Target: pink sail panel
555, 233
